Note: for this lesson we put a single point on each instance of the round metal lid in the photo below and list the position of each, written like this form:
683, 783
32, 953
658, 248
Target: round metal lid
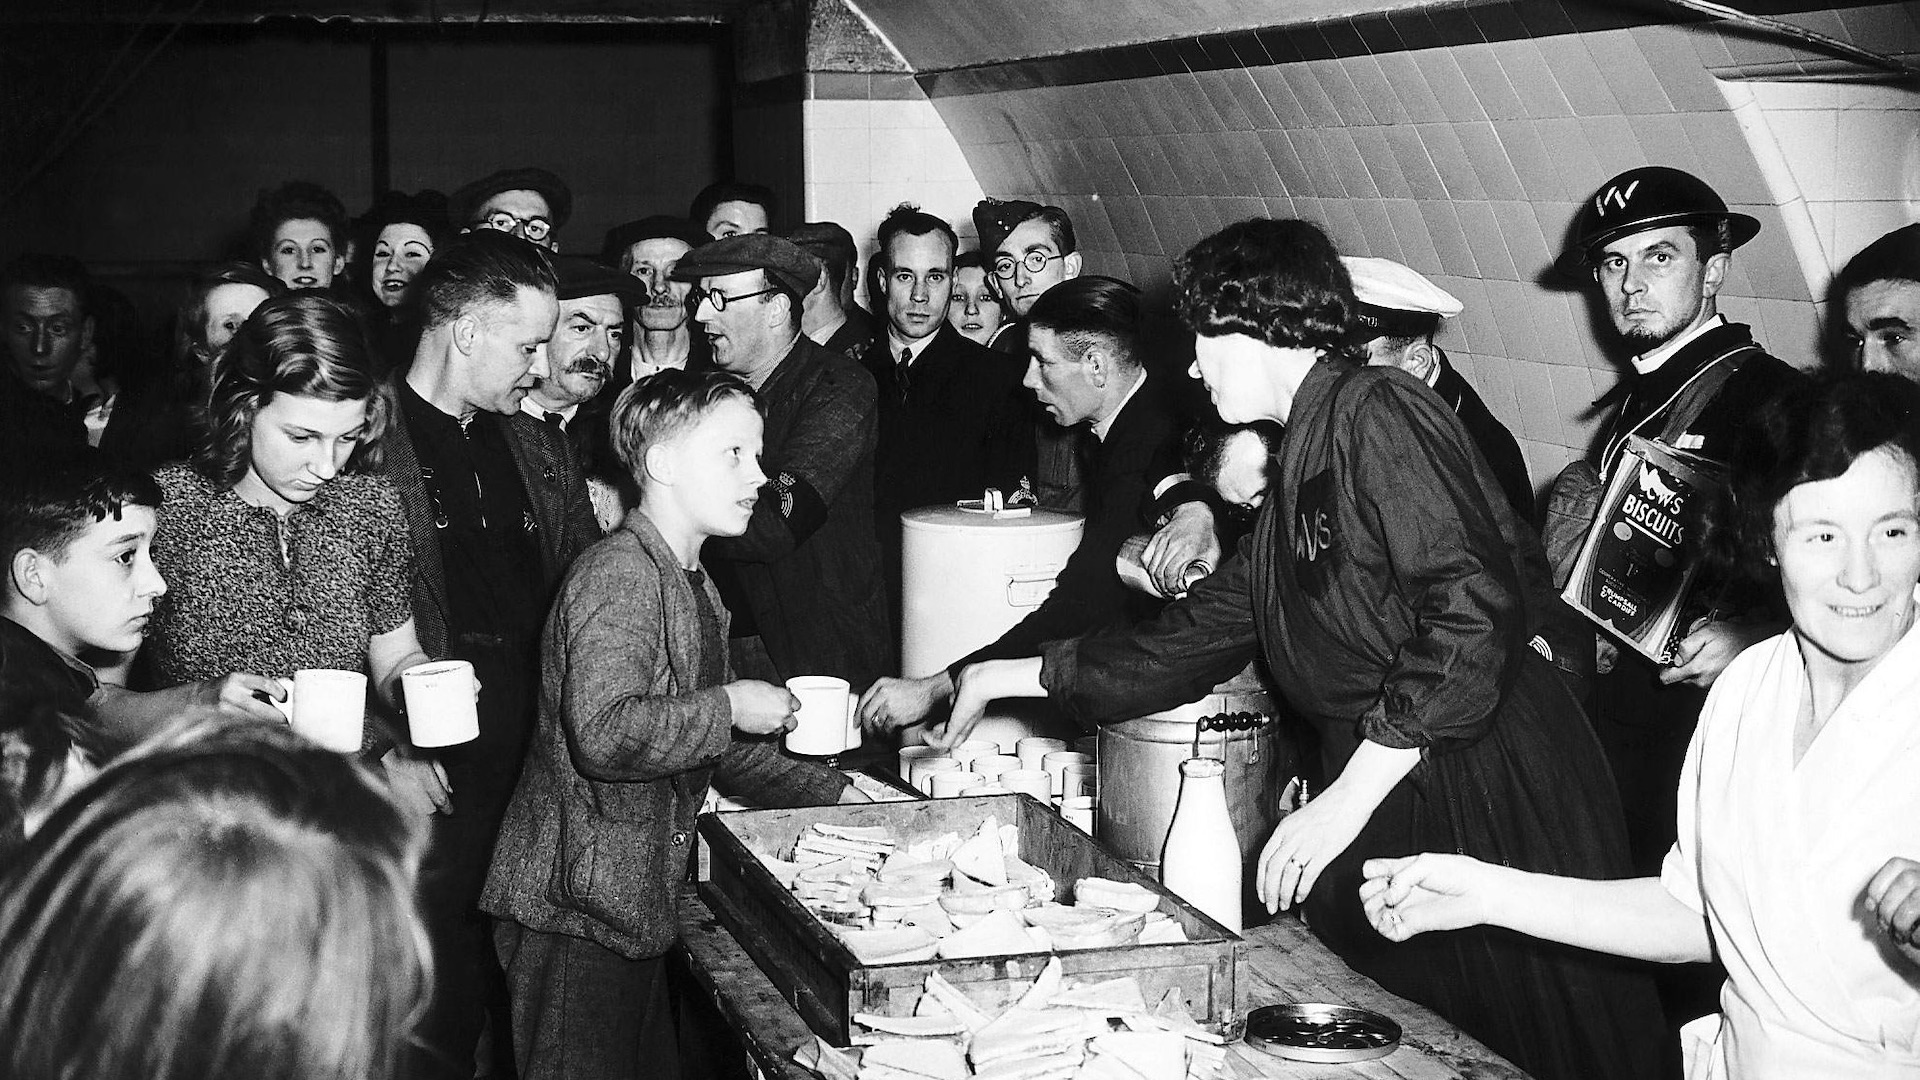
952, 518
1326, 1034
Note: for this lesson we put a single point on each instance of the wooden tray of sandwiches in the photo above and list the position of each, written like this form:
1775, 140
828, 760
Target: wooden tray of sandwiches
815, 895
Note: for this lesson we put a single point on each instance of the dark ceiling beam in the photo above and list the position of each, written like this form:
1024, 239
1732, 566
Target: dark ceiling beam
371, 12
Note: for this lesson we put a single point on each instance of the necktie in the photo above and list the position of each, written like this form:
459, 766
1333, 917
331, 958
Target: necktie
900, 371
554, 420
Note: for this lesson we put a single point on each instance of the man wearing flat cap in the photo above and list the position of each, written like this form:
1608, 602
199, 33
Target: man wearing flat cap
1657, 242
1397, 314
530, 203
830, 317
803, 582
659, 328
587, 337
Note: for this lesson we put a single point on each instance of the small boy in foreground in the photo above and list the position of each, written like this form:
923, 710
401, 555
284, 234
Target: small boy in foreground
638, 711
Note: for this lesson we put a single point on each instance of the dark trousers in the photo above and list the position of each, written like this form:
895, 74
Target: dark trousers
467, 981
584, 1012
468, 985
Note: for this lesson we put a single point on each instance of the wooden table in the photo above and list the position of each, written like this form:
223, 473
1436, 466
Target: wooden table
1281, 962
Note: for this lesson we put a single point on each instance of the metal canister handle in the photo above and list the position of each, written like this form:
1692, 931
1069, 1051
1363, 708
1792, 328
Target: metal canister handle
1234, 721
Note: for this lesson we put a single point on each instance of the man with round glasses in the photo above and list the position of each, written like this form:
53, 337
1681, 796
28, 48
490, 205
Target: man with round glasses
803, 582
529, 203
1029, 249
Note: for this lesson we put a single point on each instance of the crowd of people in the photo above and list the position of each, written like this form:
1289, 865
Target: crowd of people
638, 490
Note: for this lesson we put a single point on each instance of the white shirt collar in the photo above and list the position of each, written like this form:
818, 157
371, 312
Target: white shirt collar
1649, 362
1105, 423
822, 334
894, 345
539, 412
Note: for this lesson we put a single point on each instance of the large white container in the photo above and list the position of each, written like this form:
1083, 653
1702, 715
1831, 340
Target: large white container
967, 577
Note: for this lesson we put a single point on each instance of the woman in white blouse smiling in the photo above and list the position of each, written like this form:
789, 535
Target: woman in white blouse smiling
1799, 820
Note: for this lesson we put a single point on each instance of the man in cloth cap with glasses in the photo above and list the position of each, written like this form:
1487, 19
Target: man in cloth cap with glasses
803, 583
529, 203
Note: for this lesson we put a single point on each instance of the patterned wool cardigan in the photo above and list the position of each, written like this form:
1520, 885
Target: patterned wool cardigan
596, 840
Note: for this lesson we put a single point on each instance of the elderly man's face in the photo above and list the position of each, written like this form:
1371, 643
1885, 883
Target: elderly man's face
45, 332
519, 212
734, 218
1883, 321
652, 261
586, 338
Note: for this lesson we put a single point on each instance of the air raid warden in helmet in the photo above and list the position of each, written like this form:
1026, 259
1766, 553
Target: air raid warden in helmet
1656, 242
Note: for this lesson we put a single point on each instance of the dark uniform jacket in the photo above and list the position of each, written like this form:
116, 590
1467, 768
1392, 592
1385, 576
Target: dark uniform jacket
1651, 398
808, 567
1139, 449
963, 424
854, 338
1496, 443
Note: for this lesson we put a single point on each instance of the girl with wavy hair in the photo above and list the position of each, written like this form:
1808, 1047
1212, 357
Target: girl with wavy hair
283, 549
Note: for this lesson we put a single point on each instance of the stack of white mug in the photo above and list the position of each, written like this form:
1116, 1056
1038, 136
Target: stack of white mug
1046, 769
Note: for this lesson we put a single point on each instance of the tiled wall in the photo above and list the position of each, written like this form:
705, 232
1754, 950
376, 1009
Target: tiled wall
1842, 160
874, 141
1463, 157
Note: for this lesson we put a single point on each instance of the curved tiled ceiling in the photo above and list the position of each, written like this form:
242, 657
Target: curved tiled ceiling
1457, 138
940, 37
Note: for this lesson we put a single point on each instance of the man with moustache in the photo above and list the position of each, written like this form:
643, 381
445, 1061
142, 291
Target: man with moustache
829, 316
954, 420
586, 340
497, 509
660, 330
803, 582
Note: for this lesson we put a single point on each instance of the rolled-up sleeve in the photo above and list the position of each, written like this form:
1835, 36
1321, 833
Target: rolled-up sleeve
1414, 477
1191, 646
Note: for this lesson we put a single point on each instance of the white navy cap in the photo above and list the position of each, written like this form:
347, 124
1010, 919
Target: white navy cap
1395, 300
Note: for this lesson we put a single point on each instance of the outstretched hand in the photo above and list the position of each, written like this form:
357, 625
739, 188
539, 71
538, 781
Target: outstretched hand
1413, 895
1303, 845
891, 704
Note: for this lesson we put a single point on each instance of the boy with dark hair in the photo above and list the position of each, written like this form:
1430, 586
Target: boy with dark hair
639, 711
80, 577
80, 582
